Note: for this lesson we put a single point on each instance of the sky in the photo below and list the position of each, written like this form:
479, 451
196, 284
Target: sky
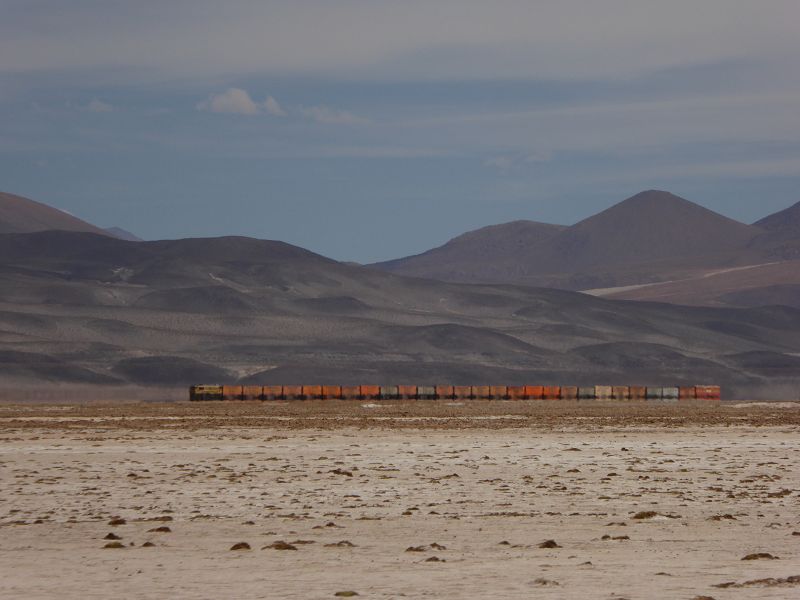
369, 130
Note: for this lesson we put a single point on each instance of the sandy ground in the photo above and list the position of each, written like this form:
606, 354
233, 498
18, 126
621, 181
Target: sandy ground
414, 500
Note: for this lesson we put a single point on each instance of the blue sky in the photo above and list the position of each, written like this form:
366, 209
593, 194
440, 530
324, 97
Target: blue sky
371, 130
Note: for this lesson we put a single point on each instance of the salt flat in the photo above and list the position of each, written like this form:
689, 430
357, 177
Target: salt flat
455, 505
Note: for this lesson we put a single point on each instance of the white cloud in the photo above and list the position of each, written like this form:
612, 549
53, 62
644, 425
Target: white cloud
99, 106
325, 114
233, 100
238, 102
272, 107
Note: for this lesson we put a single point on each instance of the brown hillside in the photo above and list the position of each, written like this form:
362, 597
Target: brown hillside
22, 215
487, 254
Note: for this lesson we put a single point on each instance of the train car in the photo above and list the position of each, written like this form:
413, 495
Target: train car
686, 393
637, 393
653, 394
198, 393
603, 392
498, 392
369, 392
569, 392
620, 392
407, 392
708, 392
480, 392
331, 392
272, 392
312, 392
462, 392
534, 392
252, 392
516, 392
444, 392
586, 393
390, 392
231, 392
293, 392
351, 392
670, 394
426, 392
551, 392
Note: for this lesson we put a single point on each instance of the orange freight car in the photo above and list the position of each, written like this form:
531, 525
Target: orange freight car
551, 392
370, 392
462, 392
272, 392
251, 392
407, 392
351, 392
498, 392
331, 392
707, 392
312, 392
293, 392
444, 392
534, 392
516, 392
231, 392
480, 392
686, 393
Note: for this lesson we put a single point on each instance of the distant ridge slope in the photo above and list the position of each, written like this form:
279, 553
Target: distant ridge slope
22, 215
786, 219
123, 234
488, 253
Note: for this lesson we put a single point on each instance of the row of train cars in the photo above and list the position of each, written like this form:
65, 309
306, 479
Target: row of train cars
456, 392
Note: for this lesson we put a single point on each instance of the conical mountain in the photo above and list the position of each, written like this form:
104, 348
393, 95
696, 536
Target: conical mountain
650, 226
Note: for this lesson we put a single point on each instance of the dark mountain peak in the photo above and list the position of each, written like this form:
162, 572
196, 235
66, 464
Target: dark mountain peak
657, 204
23, 215
787, 219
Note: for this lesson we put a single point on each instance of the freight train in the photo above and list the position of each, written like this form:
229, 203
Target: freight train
456, 392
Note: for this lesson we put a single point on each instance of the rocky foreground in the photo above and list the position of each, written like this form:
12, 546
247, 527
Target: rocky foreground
483, 500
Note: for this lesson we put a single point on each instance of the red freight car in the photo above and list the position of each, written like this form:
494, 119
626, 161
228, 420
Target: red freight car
619, 392
686, 393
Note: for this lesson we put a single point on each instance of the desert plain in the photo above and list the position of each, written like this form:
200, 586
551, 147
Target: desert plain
399, 500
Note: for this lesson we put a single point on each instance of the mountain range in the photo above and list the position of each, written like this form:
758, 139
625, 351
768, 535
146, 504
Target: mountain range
651, 238
83, 307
